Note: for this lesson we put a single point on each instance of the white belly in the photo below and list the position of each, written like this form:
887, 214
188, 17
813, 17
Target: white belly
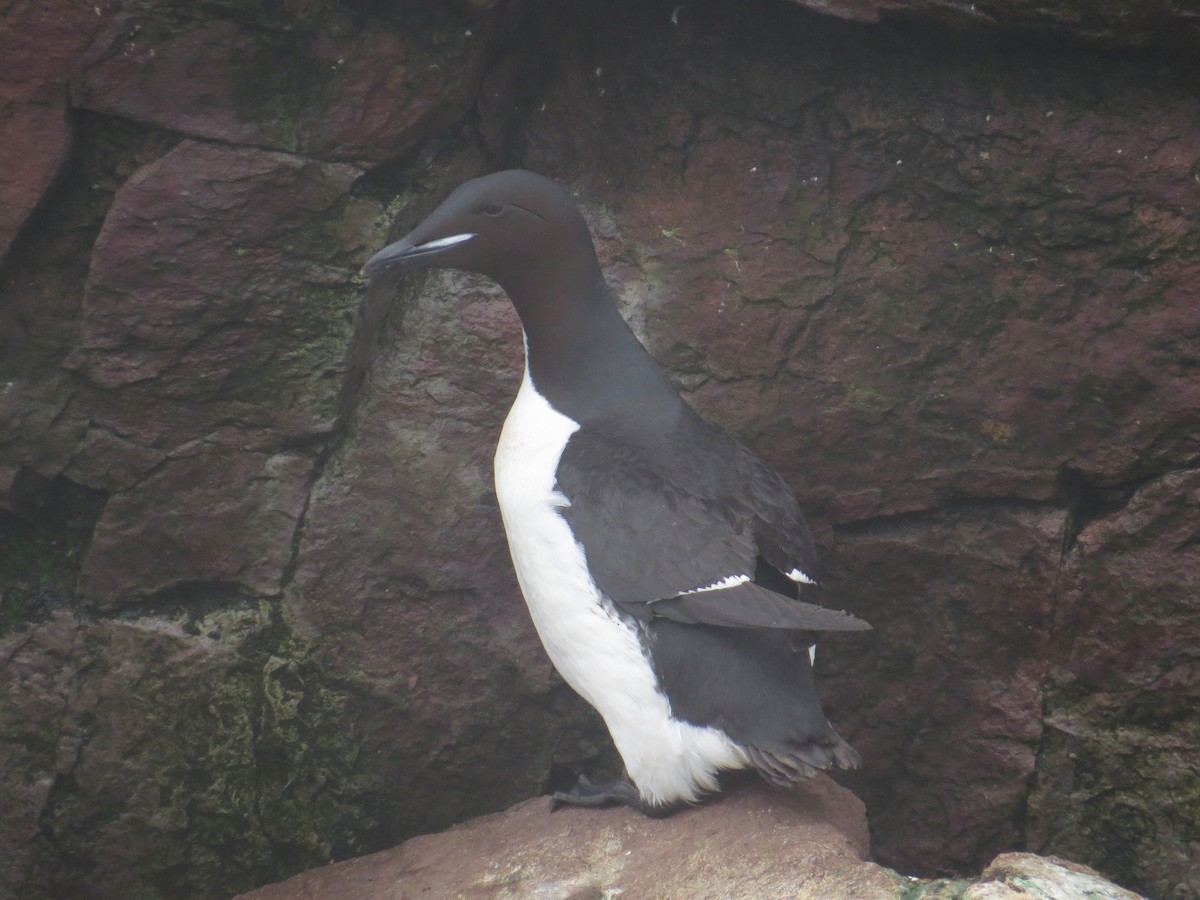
596, 652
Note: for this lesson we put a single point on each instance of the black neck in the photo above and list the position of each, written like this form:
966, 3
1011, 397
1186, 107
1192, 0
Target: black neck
584, 359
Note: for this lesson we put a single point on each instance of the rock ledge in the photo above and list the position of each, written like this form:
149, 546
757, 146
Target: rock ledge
749, 843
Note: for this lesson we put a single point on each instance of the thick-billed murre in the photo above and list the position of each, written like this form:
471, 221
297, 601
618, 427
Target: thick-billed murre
666, 567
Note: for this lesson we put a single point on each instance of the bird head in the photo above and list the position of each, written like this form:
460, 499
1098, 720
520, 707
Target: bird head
515, 227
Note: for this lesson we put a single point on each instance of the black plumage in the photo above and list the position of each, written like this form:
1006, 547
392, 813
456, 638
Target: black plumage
666, 508
674, 506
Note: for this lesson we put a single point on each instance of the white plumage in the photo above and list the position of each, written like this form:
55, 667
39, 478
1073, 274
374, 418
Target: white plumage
597, 652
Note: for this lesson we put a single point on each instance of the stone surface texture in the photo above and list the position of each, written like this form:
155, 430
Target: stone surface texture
806, 843
753, 842
939, 264
41, 45
1107, 22
1012, 876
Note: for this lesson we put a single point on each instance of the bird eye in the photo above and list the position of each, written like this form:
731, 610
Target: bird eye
493, 209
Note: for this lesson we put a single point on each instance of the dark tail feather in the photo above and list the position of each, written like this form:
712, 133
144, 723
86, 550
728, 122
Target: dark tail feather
785, 766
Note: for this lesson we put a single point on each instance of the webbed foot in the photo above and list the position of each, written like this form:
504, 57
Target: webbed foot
621, 791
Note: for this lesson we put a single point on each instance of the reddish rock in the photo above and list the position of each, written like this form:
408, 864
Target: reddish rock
1092, 20
425, 612
945, 285
221, 338
1123, 686
249, 503
33, 144
194, 301
945, 699
809, 842
40, 44
327, 84
858, 280
748, 844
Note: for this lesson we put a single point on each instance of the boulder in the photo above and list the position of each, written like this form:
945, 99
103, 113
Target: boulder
219, 339
809, 842
1021, 876
750, 843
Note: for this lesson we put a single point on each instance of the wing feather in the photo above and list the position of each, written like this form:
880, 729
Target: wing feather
669, 511
751, 606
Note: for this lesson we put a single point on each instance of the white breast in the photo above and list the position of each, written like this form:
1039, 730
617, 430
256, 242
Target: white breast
595, 651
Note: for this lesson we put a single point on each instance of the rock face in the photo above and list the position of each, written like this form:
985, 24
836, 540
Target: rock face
256, 611
806, 843
41, 44
1099, 21
809, 843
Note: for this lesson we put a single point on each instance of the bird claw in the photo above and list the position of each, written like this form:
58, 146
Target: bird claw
619, 791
